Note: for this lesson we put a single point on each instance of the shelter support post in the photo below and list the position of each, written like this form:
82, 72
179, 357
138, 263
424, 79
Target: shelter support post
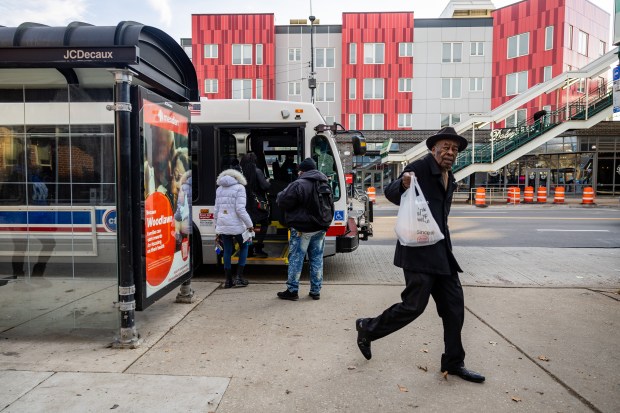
128, 337
186, 293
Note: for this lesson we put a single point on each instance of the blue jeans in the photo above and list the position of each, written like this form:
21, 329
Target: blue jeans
227, 240
300, 243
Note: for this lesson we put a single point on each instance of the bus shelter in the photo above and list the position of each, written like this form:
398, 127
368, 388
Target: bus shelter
91, 120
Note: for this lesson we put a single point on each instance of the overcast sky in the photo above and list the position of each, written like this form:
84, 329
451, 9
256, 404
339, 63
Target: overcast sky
174, 16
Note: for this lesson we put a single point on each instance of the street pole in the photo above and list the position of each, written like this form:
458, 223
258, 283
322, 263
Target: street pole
128, 335
312, 79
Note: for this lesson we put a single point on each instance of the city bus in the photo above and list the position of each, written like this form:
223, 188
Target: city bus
58, 183
280, 134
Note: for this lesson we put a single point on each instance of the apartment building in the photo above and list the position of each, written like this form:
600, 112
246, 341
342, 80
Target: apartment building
397, 77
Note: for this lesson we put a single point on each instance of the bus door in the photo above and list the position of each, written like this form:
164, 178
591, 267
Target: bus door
278, 151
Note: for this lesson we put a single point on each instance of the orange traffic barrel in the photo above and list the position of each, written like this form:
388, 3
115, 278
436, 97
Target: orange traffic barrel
558, 195
528, 194
371, 192
588, 196
541, 195
481, 197
514, 195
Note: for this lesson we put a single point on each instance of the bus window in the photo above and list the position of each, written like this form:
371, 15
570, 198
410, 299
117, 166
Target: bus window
52, 165
324, 157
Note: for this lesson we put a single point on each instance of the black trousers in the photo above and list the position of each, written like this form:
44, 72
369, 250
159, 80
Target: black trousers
259, 241
448, 295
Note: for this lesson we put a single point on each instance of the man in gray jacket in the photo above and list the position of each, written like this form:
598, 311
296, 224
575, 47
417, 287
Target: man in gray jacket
429, 270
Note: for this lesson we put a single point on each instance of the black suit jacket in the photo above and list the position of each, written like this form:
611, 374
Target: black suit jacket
437, 258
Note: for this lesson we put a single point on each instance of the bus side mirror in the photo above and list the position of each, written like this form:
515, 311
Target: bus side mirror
359, 145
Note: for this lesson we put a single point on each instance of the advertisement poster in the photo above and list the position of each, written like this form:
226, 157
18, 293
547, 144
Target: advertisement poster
167, 195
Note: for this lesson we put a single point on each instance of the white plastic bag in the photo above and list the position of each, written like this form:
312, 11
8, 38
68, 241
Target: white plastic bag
415, 225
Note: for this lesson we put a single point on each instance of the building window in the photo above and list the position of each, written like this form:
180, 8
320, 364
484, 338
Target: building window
569, 37
330, 120
475, 84
547, 73
259, 88
516, 83
324, 57
259, 54
582, 45
353, 53
405, 120
188, 51
374, 53
449, 119
451, 52
548, 37
242, 54
518, 45
373, 88
242, 89
325, 92
405, 49
294, 54
476, 49
294, 88
352, 121
517, 118
210, 51
601, 48
210, 85
450, 88
373, 122
352, 88
405, 84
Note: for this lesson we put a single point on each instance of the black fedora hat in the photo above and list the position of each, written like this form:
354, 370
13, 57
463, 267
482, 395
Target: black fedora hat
447, 133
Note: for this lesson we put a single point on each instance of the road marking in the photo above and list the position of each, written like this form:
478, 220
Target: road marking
572, 230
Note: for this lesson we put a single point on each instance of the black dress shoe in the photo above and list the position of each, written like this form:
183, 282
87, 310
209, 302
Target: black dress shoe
363, 341
468, 375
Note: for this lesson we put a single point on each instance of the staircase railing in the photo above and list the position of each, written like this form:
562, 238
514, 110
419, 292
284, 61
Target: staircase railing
505, 141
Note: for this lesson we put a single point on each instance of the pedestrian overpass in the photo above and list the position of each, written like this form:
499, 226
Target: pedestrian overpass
503, 148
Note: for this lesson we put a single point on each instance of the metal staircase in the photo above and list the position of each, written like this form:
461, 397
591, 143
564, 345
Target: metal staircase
513, 143
580, 114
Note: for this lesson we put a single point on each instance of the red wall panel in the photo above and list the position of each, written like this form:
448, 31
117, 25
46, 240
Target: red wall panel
226, 30
534, 16
390, 29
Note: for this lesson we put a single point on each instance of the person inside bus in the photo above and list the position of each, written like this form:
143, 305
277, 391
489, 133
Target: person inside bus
257, 204
289, 170
324, 160
275, 168
231, 222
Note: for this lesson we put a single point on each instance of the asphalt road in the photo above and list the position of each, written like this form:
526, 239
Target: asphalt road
521, 226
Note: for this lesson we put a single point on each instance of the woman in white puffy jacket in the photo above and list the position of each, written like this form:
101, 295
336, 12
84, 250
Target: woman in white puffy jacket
231, 221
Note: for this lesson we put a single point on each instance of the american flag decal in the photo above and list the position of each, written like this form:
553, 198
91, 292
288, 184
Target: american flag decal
194, 109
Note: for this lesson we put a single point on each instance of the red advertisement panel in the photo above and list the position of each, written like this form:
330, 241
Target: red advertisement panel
167, 195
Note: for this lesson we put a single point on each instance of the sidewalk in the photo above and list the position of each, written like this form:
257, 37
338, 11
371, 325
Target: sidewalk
243, 350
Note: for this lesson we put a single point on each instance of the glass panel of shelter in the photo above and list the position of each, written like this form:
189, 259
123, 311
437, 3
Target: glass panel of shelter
55, 182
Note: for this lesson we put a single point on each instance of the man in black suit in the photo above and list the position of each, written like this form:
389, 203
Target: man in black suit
429, 270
